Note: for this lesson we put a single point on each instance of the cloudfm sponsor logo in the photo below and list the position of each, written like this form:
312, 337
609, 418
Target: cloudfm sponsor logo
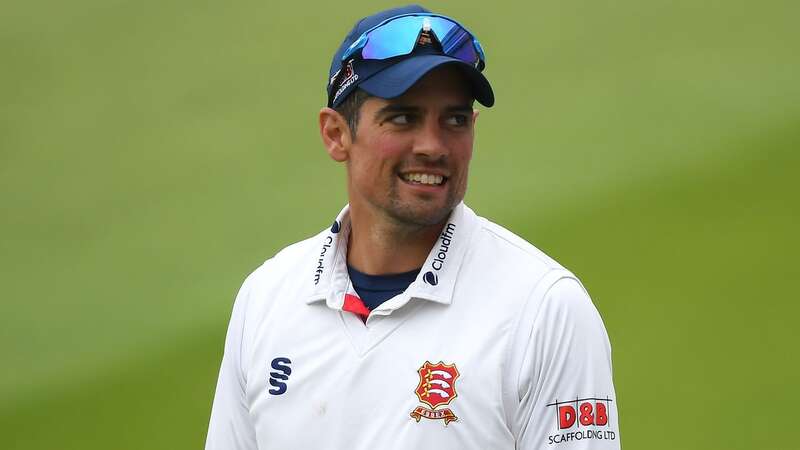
431, 278
326, 244
445, 240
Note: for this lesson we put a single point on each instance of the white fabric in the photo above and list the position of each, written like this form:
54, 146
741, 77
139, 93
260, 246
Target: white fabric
520, 329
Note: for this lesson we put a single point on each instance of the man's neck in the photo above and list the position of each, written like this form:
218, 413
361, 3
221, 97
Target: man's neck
379, 247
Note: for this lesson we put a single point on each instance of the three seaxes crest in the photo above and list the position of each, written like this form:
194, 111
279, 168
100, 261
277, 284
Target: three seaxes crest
437, 387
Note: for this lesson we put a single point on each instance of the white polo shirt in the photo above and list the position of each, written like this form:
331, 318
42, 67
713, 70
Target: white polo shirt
493, 346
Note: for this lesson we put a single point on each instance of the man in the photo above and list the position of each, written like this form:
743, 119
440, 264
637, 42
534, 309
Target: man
411, 322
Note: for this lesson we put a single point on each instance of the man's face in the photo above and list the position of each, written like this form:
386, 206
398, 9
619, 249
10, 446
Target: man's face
410, 158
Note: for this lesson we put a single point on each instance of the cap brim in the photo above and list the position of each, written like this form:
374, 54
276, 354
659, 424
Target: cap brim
398, 78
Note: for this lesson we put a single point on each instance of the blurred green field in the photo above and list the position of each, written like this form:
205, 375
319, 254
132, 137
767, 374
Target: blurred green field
154, 153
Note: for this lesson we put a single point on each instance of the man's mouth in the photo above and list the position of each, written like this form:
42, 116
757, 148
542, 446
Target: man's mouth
423, 178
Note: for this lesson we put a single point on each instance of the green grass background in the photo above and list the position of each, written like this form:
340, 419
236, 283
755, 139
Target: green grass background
154, 153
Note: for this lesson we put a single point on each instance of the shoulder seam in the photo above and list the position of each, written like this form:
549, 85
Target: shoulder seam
519, 317
538, 254
247, 286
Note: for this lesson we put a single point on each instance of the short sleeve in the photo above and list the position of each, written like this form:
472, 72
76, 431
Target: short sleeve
564, 387
230, 427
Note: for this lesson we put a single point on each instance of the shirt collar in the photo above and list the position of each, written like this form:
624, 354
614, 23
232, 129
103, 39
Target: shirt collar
435, 282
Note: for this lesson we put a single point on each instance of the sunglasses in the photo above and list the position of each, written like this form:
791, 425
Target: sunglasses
399, 35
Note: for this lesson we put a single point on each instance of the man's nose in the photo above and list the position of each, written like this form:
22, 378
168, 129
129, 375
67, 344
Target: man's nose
430, 140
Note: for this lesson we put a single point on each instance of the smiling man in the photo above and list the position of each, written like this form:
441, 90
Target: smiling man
412, 322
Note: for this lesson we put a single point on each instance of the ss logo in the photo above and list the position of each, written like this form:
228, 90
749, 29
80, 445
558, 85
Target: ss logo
279, 374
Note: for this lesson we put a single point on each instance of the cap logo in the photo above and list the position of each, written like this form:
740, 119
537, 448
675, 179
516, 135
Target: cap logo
334, 77
350, 77
425, 38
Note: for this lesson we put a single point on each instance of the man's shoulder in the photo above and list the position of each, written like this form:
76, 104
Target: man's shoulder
508, 248
289, 262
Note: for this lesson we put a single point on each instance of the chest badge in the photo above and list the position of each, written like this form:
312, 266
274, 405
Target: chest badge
437, 387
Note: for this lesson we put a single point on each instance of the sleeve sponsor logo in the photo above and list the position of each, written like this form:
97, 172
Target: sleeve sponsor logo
582, 418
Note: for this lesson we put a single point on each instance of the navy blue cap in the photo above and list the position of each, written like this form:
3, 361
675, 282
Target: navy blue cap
392, 77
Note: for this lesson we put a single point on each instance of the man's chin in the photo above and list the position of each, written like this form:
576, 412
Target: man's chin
421, 213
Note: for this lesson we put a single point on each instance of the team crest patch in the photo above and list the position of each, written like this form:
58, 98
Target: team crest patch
437, 387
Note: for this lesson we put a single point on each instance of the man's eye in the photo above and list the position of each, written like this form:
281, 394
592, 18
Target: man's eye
457, 120
400, 119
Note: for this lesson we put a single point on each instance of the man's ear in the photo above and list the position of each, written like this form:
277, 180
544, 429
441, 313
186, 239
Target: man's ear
335, 134
475, 114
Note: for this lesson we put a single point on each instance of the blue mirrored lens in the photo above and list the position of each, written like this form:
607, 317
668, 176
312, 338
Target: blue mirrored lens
458, 43
399, 36
394, 38
441, 26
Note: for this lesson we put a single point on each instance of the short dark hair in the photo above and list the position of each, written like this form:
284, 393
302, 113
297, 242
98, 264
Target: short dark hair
350, 107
